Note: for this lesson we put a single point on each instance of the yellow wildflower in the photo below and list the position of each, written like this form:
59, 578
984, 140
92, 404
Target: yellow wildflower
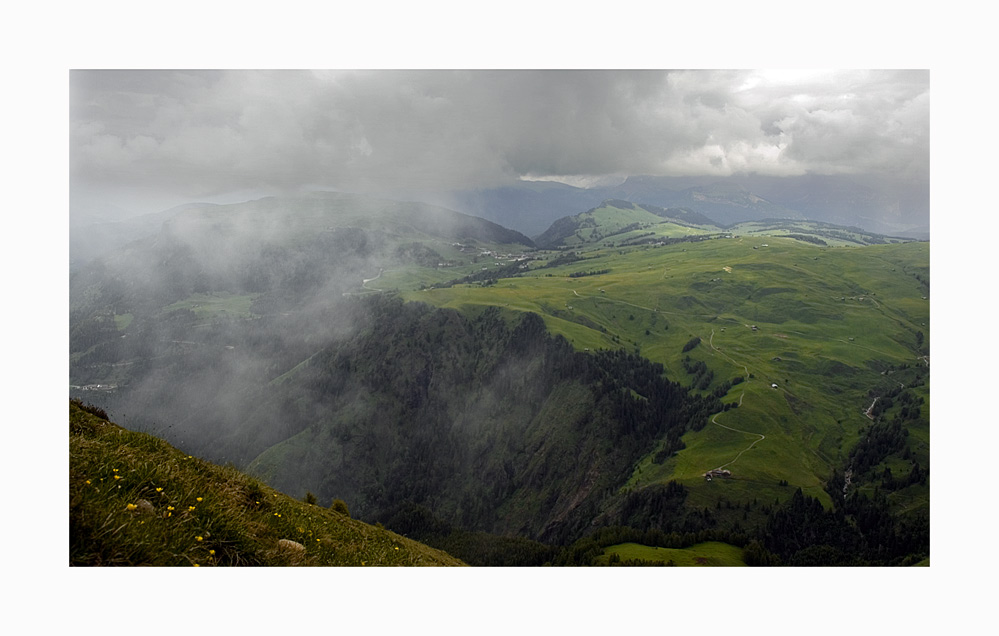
190, 507
196, 565
131, 507
198, 499
211, 552
200, 538
159, 490
117, 476
169, 507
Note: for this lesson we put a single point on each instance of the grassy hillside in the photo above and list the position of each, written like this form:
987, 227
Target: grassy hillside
136, 500
620, 223
824, 324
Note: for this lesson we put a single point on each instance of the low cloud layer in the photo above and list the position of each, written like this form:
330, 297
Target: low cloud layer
208, 134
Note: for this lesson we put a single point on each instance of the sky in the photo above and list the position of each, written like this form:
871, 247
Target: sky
142, 140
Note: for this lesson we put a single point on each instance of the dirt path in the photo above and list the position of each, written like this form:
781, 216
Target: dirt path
364, 283
714, 420
727, 357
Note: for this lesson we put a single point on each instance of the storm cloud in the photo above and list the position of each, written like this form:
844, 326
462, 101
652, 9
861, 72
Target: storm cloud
204, 134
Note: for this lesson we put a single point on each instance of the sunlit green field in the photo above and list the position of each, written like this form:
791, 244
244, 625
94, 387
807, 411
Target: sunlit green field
710, 553
820, 323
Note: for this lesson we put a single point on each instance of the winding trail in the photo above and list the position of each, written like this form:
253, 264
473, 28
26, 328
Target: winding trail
364, 283
714, 420
727, 357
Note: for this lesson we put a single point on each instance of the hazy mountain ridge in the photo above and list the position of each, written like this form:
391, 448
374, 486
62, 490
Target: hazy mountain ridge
280, 218
881, 206
92, 240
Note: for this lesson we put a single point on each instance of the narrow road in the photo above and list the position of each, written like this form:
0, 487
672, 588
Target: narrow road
365, 282
364, 285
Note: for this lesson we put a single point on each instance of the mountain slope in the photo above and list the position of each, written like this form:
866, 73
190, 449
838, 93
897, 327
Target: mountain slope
801, 335
135, 500
482, 422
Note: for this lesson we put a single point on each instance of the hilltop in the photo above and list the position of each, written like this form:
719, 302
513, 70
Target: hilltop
289, 220
136, 500
625, 223
895, 207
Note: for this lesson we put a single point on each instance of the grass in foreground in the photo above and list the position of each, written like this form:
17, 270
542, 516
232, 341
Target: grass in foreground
136, 500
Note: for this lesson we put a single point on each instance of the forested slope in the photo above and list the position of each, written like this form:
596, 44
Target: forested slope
492, 426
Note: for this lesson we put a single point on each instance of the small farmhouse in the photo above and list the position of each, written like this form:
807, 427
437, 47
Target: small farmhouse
716, 472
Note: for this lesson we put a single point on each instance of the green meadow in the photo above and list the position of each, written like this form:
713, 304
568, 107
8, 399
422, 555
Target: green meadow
807, 328
707, 554
215, 303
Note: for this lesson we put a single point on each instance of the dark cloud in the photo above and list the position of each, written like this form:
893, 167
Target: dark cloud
205, 134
